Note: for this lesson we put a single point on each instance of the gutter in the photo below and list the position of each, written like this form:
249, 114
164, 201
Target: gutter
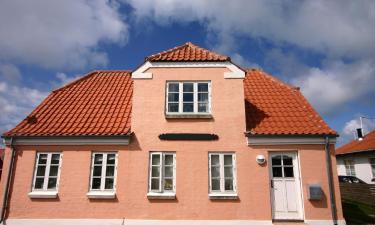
330, 181
8, 182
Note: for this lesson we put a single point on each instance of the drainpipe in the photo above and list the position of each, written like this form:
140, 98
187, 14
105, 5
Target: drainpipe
330, 181
7, 186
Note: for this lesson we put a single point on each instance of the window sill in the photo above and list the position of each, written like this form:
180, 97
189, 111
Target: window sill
43, 194
188, 116
101, 195
223, 196
161, 195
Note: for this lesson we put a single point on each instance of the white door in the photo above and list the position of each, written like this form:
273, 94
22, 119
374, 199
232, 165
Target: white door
285, 186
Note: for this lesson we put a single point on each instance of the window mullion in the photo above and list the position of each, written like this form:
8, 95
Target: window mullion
222, 179
180, 97
102, 179
195, 97
46, 174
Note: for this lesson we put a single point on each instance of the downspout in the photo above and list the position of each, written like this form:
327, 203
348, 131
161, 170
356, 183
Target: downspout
330, 181
9, 177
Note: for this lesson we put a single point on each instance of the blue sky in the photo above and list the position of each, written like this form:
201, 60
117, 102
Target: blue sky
325, 47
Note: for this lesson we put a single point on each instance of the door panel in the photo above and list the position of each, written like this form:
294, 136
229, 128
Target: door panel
285, 188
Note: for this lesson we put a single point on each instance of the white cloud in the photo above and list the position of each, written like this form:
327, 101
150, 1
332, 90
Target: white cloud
337, 28
337, 84
349, 131
9, 72
59, 34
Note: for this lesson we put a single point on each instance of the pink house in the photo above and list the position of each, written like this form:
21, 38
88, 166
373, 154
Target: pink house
187, 138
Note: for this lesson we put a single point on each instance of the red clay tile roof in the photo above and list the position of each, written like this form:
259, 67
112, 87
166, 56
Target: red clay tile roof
96, 104
367, 144
187, 52
275, 108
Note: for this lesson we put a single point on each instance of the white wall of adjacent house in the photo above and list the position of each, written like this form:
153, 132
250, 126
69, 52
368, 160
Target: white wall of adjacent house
361, 165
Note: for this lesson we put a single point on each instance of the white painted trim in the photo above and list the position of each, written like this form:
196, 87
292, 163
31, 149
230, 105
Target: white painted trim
235, 71
103, 173
324, 222
223, 196
101, 194
254, 140
161, 191
84, 140
133, 222
43, 194
222, 178
166, 195
46, 175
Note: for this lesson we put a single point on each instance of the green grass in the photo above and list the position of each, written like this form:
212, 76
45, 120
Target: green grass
358, 213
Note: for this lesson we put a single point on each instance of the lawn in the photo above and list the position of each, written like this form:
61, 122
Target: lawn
358, 213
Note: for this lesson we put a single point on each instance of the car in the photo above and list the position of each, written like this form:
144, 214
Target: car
351, 179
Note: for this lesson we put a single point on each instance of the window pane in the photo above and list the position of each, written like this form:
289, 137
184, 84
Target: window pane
215, 184
52, 183
203, 97
188, 87
108, 183
55, 158
111, 158
53, 170
155, 171
168, 184
188, 97
154, 184
276, 172
287, 160
202, 107
172, 107
215, 171
41, 171
98, 159
228, 172
215, 160
168, 171
188, 107
155, 159
227, 160
173, 87
229, 184
168, 160
276, 160
288, 172
95, 183
173, 97
110, 172
39, 183
42, 159
97, 171
202, 87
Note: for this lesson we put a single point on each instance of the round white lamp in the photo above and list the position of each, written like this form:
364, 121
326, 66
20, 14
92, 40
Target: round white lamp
260, 159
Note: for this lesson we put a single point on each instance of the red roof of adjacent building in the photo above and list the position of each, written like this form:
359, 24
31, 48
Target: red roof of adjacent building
273, 107
366, 144
96, 104
187, 52
100, 103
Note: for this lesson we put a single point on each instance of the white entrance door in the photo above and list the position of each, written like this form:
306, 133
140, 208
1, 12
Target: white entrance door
285, 186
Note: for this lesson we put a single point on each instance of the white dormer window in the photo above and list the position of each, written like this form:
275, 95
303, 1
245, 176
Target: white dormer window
188, 97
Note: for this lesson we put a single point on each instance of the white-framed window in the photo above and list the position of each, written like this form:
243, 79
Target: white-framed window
47, 171
103, 171
372, 164
349, 167
162, 175
188, 97
222, 172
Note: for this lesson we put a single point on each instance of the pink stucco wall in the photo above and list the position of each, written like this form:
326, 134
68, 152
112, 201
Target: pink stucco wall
192, 202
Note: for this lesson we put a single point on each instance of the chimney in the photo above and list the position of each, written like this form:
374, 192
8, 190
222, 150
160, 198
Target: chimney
360, 134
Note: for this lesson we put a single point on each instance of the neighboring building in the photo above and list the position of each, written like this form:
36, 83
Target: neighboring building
187, 138
357, 158
1, 161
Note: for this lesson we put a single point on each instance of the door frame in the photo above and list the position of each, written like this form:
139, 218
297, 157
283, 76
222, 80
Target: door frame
300, 188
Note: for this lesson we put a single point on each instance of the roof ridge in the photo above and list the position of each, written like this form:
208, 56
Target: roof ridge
170, 50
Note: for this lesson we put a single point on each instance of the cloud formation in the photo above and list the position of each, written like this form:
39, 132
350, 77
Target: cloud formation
59, 34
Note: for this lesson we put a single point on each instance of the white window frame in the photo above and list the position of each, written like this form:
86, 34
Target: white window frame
103, 174
195, 98
46, 172
161, 173
222, 178
372, 166
349, 167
